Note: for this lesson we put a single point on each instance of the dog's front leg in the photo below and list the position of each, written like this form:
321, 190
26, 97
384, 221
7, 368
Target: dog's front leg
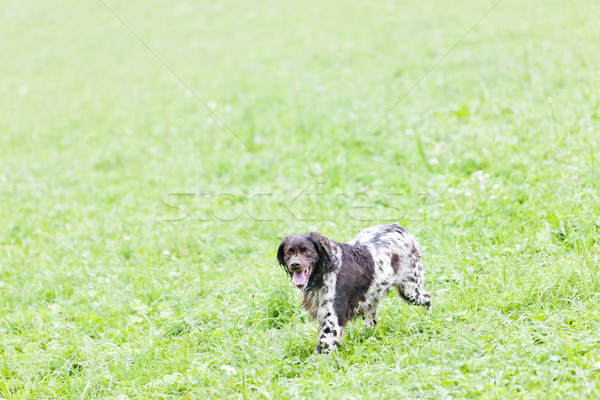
329, 337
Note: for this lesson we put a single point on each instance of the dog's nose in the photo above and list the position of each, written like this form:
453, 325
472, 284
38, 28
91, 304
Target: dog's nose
295, 265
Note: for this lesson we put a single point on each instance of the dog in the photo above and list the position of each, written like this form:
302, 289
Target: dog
340, 281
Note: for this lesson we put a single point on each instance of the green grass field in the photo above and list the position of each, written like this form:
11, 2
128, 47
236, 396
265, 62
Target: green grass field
139, 229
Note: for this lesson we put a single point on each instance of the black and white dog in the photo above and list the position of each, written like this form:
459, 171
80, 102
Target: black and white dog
342, 280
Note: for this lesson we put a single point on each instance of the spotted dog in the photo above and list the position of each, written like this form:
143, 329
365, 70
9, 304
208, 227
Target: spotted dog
340, 281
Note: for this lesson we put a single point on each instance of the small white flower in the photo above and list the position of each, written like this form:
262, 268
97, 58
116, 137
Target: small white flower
496, 187
212, 105
504, 197
492, 197
166, 253
449, 319
467, 194
420, 210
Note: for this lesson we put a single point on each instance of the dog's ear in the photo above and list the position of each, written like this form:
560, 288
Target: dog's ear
323, 246
280, 255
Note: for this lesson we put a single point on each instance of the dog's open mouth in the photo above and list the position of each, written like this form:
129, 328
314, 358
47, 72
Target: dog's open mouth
300, 278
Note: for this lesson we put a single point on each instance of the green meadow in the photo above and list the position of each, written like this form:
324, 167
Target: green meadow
153, 155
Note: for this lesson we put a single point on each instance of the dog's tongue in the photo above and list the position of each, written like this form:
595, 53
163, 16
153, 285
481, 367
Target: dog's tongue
299, 278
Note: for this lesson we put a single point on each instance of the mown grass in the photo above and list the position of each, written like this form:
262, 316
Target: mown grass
138, 232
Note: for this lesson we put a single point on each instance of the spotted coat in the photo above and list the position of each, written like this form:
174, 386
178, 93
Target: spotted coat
350, 279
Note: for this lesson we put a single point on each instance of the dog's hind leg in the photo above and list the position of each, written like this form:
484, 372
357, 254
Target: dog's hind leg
411, 289
370, 314
413, 292
415, 296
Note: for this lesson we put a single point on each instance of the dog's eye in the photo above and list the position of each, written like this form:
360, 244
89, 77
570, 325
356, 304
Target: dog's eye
306, 251
289, 252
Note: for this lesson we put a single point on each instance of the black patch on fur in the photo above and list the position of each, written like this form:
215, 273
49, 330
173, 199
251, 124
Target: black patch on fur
396, 228
395, 262
353, 281
401, 293
415, 253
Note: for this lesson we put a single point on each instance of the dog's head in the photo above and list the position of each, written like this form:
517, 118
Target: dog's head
303, 257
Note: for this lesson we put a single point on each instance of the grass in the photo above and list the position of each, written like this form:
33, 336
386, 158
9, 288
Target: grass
139, 233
